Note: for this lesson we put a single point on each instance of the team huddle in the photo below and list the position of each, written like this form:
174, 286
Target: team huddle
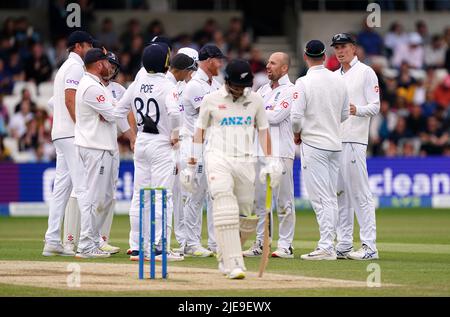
212, 145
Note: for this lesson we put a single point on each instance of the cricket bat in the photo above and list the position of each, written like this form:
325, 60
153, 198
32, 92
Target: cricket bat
266, 242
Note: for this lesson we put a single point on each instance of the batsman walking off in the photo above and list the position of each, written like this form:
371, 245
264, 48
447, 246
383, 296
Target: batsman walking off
353, 183
231, 114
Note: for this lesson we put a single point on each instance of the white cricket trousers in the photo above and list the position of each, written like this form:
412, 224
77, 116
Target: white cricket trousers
284, 199
320, 173
193, 208
232, 185
153, 167
96, 191
66, 177
355, 196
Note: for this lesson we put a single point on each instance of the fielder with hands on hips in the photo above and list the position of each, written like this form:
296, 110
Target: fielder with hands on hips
231, 114
354, 193
317, 114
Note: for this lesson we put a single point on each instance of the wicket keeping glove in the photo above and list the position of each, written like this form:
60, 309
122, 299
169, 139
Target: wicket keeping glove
187, 177
274, 168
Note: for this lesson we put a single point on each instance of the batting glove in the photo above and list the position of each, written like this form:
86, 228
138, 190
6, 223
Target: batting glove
187, 177
274, 168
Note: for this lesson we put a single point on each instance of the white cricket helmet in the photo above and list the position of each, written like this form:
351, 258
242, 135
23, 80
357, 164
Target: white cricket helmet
189, 52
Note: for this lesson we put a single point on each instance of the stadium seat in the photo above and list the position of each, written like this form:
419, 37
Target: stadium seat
20, 85
45, 89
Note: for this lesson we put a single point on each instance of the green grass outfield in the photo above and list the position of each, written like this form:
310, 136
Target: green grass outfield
414, 246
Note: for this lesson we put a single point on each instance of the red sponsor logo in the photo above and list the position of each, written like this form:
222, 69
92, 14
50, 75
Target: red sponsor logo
295, 96
101, 98
222, 106
284, 104
175, 96
377, 89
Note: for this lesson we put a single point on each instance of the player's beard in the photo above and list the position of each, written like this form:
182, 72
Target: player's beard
104, 73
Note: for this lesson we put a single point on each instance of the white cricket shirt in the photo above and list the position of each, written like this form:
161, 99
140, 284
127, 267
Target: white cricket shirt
321, 106
363, 92
67, 77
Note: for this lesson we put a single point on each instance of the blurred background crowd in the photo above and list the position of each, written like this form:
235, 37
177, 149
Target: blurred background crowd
412, 65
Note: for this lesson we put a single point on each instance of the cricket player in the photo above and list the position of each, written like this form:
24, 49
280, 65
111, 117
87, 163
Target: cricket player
203, 83
182, 65
96, 142
116, 91
231, 114
65, 86
278, 96
353, 184
158, 122
317, 114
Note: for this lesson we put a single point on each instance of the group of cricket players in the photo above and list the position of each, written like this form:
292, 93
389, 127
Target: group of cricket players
212, 145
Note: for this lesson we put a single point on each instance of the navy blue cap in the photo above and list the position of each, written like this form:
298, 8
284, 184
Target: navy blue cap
161, 39
183, 62
342, 38
239, 73
94, 55
96, 44
209, 51
156, 58
79, 37
315, 48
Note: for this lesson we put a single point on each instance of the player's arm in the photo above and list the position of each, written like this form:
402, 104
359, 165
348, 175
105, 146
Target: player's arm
96, 98
298, 111
372, 96
201, 125
262, 124
345, 113
282, 109
123, 107
71, 81
193, 95
174, 115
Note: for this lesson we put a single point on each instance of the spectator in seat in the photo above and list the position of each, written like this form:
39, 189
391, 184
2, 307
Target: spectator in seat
411, 52
17, 125
433, 138
107, 36
26, 97
400, 132
38, 67
381, 126
16, 67
430, 105
396, 36
6, 81
5, 153
435, 52
442, 93
4, 117
416, 122
370, 40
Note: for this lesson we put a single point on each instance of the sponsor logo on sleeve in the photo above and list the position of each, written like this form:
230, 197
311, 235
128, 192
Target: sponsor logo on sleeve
100, 98
377, 89
198, 99
72, 81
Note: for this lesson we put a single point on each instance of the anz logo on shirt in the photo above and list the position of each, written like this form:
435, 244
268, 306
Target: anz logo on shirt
229, 121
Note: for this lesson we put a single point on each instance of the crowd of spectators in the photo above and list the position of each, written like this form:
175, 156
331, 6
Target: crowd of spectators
412, 67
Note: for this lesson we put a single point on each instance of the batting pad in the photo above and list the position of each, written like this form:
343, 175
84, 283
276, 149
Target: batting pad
247, 227
226, 223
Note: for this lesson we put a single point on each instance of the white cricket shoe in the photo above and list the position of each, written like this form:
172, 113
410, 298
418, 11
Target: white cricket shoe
179, 250
171, 257
363, 254
93, 254
319, 254
236, 274
197, 251
69, 247
110, 249
56, 249
342, 255
283, 253
222, 269
255, 250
